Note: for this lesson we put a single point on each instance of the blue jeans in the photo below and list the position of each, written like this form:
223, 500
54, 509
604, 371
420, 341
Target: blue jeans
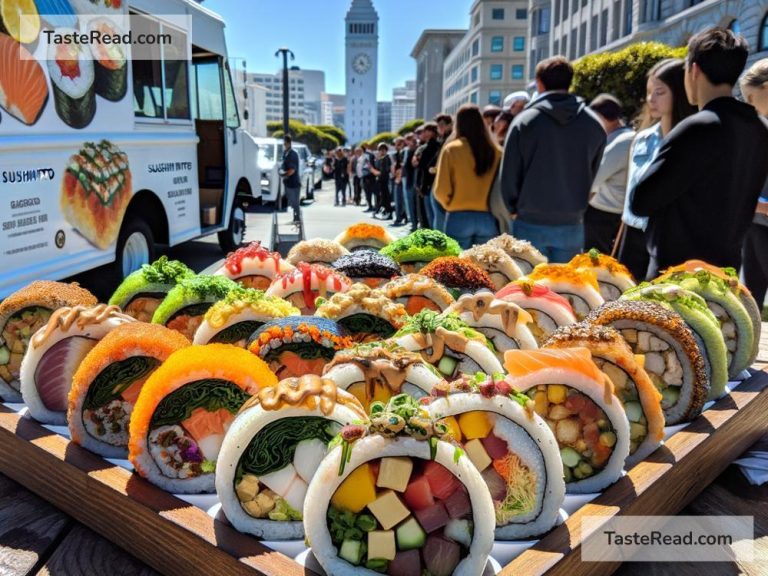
410, 205
399, 196
557, 243
470, 228
429, 210
438, 214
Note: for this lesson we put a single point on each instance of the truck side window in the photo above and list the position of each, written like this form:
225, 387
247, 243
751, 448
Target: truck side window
147, 70
176, 64
233, 118
206, 79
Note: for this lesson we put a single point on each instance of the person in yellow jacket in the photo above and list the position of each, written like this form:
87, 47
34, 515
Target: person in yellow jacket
465, 171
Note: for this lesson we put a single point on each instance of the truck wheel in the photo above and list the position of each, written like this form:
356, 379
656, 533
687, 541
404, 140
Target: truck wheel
135, 246
232, 238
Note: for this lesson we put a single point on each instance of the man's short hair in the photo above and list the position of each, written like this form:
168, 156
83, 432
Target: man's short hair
491, 111
287, 138
720, 54
608, 106
431, 126
555, 73
399, 140
384, 146
443, 119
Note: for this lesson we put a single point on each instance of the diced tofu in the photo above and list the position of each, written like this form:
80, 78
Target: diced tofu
629, 335
394, 473
477, 454
674, 371
381, 545
567, 431
260, 506
556, 393
654, 362
728, 329
730, 344
247, 488
658, 345
475, 424
388, 510
644, 341
357, 491
558, 412
616, 374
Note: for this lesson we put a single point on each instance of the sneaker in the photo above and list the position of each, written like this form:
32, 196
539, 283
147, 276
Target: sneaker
386, 216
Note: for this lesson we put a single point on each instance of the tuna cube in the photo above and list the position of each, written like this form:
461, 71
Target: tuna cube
441, 556
432, 518
458, 504
406, 564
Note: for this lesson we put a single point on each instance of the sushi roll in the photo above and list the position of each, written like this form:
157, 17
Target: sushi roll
108, 383
703, 324
579, 403
548, 309
504, 323
273, 448
364, 236
316, 251
111, 82
364, 313
499, 265
417, 292
671, 356
640, 398
184, 308
613, 277
303, 285
253, 266
55, 353
241, 312
184, 410
21, 315
142, 291
380, 370
458, 276
23, 88
735, 322
523, 252
70, 67
397, 496
298, 345
578, 286
419, 248
511, 446
368, 267
449, 344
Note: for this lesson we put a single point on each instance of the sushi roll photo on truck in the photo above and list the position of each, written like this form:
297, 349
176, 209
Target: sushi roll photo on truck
110, 149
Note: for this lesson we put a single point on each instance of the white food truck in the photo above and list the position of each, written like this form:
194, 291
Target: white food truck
104, 155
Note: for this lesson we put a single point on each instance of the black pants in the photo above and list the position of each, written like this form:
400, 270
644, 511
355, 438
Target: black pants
421, 211
369, 183
756, 261
357, 190
341, 190
384, 196
600, 229
633, 252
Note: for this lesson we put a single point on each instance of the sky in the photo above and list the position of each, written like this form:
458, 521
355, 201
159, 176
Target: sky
314, 31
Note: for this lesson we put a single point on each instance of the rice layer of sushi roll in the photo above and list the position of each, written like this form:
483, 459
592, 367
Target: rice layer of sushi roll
72, 74
368, 267
364, 236
458, 275
499, 265
272, 450
579, 403
512, 447
55, 353
419, 248
417, 292
548, 309
578, 286
524, 253
184, 410
612, 276
316, 251
253, 266
306, 283
111, 82
21, 315
672, 357
396, 497
108, 383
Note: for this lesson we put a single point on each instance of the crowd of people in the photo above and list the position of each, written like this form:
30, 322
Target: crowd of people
684, 181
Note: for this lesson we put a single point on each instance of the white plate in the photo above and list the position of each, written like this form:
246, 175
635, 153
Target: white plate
202, 501
308, 560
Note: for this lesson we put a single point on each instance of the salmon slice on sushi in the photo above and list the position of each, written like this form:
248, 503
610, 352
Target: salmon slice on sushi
418, 292
306, 283
578, 286
364, 236
548, 309
458, 275
316, 251
523, 252
23, 88
369, 267
613, 277
499, 265
419, 248
253, 266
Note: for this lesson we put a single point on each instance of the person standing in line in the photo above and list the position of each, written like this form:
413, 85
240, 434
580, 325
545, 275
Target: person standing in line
666, 106
367, 179
490, 113
289, 170
602, 219
356, 179
397, 183
551, 155
341, 177
501, 126
701, 190
409, 175
381, 170
426, 160
515, 102
444, 131
465, 172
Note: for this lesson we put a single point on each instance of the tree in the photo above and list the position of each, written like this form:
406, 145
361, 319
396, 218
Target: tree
314, 139
387, 137
410, 126
337, 133
622, 73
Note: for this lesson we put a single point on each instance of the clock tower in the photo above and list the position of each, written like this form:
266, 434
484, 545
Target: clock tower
362, 45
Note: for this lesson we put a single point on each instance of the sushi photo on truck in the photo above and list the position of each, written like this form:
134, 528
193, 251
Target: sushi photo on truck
110, 149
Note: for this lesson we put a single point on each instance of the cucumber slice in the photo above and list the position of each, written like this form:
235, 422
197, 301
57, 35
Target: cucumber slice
669, 396
5, 355
410, 535
634, 411
447, 365
352, 551
570, 457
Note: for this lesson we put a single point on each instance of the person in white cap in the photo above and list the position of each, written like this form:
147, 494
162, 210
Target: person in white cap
515, 102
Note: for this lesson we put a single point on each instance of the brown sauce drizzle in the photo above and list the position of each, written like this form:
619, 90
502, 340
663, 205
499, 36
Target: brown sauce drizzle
82, 316
481, 304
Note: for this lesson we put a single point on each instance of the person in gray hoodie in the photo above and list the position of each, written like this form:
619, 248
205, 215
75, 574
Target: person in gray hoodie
551, 156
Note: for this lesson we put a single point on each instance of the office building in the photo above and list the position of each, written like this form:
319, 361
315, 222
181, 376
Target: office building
403, 104
383, 117
430, 52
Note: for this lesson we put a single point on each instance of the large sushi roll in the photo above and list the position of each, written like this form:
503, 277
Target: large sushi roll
419, 248
578, 286
417, 292
108, 383
241, 312
316, 251
396, 497
23, 88
55, 353
184, 410
504, 323
111, 68
613, 277
671, 356
511, 446
142, 291
184, 308
499, 265
303, 285
640, 398
524, 253
366, 314
368, 267
449, 344
298, 345
21, 315
272, 450
548, 309
364, 236
458, 275
380, 370
703, 324
70, 67
578, 402
253, 266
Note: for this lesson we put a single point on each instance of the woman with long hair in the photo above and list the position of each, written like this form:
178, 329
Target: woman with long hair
465, 171
666, 106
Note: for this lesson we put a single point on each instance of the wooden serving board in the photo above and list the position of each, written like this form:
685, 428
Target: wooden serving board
175, 537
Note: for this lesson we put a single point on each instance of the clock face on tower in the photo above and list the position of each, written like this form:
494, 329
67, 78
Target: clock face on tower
361, 63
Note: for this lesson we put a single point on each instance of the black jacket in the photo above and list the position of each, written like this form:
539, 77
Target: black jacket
551, 155
701, 190
429, 154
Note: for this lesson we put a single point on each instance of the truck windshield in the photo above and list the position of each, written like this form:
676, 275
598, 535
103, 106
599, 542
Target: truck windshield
267, 152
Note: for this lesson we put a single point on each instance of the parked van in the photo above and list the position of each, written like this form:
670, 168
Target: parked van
270, 156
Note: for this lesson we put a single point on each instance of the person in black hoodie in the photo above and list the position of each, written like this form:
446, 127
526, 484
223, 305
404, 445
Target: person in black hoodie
701, 190
427, 155
551, 155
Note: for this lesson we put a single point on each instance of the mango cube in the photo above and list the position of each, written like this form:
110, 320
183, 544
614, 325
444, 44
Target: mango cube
477, 454
357, 491
475, 424
540, 403
388, 510
381, 544
394, 473
556, 393
453, 427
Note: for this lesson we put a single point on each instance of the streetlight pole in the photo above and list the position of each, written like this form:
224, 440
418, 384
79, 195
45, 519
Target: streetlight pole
285, 52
